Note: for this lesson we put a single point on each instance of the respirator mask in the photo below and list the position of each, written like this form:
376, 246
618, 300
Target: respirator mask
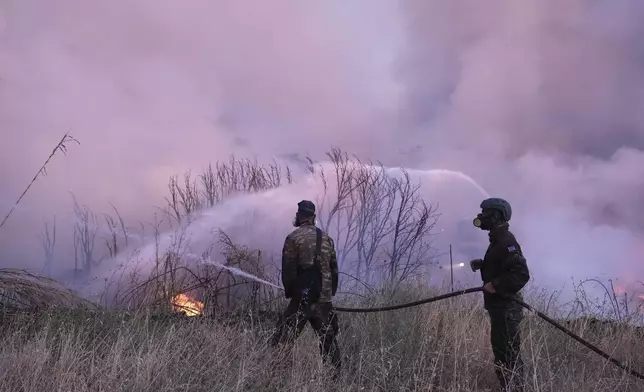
486, 220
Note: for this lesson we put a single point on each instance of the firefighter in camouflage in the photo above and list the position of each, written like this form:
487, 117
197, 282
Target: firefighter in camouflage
312, 304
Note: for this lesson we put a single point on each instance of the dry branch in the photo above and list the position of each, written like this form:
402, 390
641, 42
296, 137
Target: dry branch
60, 147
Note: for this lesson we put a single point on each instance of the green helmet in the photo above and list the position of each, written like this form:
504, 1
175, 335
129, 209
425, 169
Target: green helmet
498, 204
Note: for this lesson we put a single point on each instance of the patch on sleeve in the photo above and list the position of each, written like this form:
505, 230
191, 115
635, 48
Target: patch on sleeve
512, 248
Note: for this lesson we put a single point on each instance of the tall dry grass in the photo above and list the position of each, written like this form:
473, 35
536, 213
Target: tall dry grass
437, 347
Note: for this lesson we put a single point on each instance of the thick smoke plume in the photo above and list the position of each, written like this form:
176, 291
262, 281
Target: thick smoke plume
541, 102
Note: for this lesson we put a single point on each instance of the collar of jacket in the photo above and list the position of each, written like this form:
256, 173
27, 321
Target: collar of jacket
498, 231
307, 222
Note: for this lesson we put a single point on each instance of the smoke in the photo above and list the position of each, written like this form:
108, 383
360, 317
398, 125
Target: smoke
260, 219
153, 88
541, 102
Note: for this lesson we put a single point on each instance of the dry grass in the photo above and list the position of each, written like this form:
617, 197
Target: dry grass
438, 347
21, 290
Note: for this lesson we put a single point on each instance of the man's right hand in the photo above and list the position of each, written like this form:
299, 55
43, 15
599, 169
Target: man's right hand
476, 264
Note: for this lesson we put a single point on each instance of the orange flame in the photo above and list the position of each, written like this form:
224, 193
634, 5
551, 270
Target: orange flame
186, 304
621, 290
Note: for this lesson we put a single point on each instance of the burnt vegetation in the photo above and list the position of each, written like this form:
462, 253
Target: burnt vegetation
141, 338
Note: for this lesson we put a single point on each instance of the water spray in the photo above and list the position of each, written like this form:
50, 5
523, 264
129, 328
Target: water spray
236, 271
447, 173
462, 176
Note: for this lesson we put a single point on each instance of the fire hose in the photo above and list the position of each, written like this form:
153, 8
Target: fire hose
560, 327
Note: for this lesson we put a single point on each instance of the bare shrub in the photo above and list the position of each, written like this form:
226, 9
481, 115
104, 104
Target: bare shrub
85, 230
244, 175
624, 308
114, 224
221, 291
223, 180
247, 294
184, 200
48, 242
210, 191
381, 224
379, 221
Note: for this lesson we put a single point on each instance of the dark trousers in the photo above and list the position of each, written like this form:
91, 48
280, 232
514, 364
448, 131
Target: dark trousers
323, 320
506, 345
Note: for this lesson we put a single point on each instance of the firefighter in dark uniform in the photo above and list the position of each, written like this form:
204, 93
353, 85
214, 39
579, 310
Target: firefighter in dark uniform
504, 272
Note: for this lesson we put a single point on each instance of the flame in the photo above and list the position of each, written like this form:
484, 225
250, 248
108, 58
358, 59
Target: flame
619, 289
186, 304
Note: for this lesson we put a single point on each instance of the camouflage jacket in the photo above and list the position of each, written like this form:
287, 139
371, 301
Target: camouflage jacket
298, 253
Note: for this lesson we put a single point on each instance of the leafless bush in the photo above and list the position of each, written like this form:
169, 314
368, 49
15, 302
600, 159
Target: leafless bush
48, 242
244, 175
216, 183
621, 307
249, 294
85, 230
184, 200
177, 273
168, 276
114, 224
380, 222
210, 191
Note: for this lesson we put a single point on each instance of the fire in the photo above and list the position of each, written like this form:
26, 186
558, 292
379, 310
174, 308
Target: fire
186, 304
619, 290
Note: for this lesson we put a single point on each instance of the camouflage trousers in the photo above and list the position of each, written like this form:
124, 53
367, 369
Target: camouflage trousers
506, 345
323, 320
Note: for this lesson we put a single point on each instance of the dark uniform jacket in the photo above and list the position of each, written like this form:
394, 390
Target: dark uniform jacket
504, 266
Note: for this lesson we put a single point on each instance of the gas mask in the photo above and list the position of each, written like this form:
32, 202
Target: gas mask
486, 220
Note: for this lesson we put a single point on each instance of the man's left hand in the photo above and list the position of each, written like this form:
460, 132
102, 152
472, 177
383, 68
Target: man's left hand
489, 287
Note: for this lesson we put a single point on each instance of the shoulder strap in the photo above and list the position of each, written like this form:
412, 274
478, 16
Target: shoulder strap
318, 247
